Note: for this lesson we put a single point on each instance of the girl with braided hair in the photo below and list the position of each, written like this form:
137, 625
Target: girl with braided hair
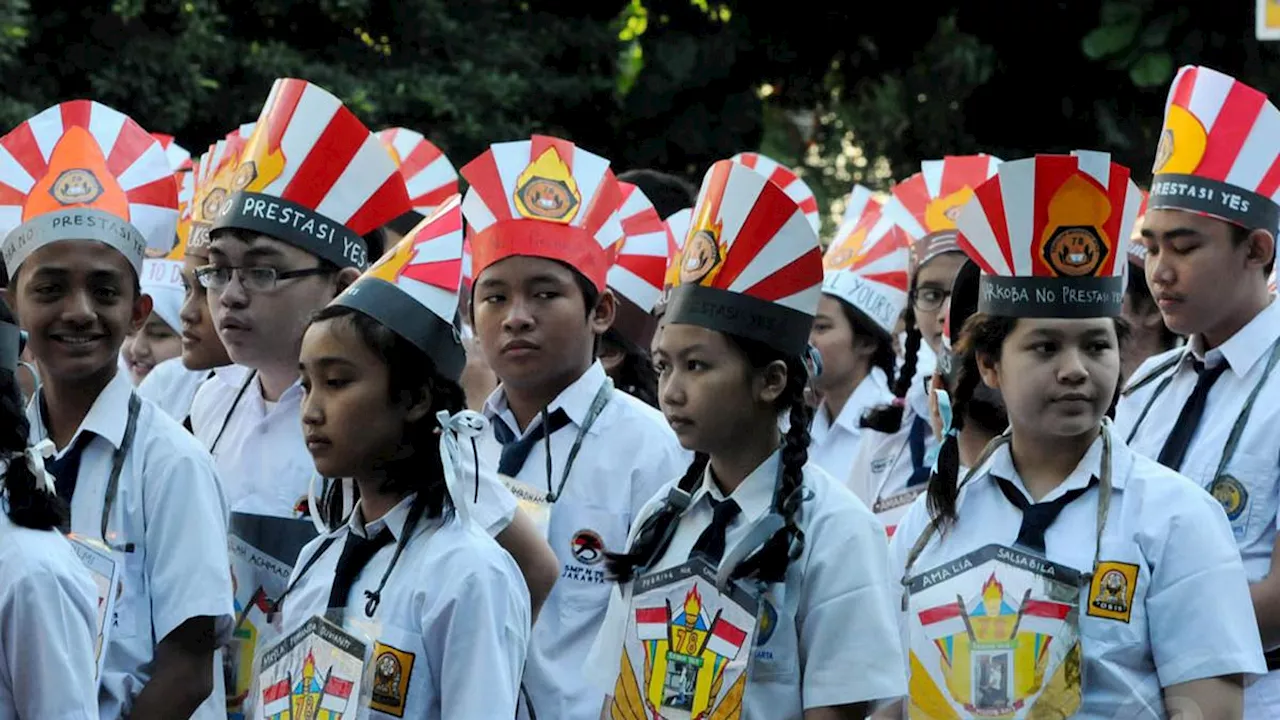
754, 585
1062, 554
48, 616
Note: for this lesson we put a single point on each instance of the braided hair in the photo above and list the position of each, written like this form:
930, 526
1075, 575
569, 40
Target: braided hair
25, 502
887, 418
769, 563
420, 470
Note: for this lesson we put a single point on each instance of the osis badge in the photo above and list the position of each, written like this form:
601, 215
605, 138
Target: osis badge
1234, 497
1112, 590
392, 669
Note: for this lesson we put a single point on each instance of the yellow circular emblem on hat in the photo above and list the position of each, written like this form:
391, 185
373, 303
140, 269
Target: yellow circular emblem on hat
76, 186
1182, 143
1075, 251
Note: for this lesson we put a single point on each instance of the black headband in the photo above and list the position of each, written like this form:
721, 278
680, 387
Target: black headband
1214, 198
407, 318
775, 325
294, 224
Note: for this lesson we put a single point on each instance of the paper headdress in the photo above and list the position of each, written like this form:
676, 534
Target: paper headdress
546, 198
639, 266
867, 268
1137, 248
312, 175
1219, 151
179, 157
751, 265
83, 171
1051, 234
785, 178
162, 280
212, 192
413, 288
861, 201
927, 203
677, 233
428, 175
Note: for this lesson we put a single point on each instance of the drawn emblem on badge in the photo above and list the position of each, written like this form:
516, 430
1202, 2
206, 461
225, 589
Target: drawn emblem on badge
392, 669
587, 547
212, 205
76, 186
1164, 150
701, 256
1075, 251
1232, 494
245, 174
1112, 589
546, 190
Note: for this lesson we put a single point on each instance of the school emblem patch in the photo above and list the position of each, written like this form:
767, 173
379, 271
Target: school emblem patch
392, 670
1112, 589
701, 256
1075, 251
1232, 494
587, 547
546, 190
1164, 150
768, 621
214, 204
76, 186
245, 174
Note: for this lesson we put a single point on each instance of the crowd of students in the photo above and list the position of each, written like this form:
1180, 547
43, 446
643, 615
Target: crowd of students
320, 435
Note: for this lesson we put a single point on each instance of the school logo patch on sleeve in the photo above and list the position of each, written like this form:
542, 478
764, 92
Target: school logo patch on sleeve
392, 669
1111, 592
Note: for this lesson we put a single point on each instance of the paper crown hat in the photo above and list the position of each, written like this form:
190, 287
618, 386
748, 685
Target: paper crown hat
751, 265
179, 157
1219, 151
413, 288
211, 193
543, 197
162, 280
677, 232
83, 171
640, 263
926, 204
312, 175
1050, 234
1137, 248
428, 175
785, 178
861, 201
867, 268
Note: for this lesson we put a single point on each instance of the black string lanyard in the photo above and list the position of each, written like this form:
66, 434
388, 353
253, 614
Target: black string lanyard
1237, 430
226, 419
597, 406
1104, 508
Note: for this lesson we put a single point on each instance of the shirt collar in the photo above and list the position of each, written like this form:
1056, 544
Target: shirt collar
394, 520
106, 417
575, 400
1000, 465
1244, 349
754, 496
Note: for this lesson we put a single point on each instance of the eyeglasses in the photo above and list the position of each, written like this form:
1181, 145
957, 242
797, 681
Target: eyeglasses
253, 278
929, 299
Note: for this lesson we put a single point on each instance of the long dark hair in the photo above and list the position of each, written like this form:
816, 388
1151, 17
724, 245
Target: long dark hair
883, 357
26, 503
887, 418
635, 376
983, 335
419, 470
769, 564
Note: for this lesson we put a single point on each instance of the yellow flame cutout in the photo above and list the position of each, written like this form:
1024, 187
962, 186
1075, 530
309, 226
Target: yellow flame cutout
258, 165
546, 190
1074, 242
941, 212
1182, 143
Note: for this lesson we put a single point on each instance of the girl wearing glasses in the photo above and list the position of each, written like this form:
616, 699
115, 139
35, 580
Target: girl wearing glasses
894, 455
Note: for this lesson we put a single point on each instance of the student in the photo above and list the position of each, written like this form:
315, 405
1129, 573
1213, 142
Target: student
1148, 335
134, 478
544, 214
798, 619
429, 177
1063, 554
158, 340
379, 374
48, 618
635, 279
864, 291
892, 463
1208, 410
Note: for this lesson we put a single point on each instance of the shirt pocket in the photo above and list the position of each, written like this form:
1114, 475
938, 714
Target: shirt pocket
774, 651
131, 602
580, 536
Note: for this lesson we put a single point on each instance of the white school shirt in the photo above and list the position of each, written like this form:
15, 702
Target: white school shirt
455, 611
834, 641
48, 626
626, 455
172, 387
834, 445
170, 522
882, 466
1191, 616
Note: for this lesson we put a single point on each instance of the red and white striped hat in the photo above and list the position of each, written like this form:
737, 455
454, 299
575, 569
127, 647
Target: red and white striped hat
927, 203
413, 288
212, 192
751, 266
785, 178
186, 193
543, 197
867, 268
1219, 152
312, 175
1050, 234
83, 171
861, 202
639, 265
179, 157
677, 232
428, 175
1137, 248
